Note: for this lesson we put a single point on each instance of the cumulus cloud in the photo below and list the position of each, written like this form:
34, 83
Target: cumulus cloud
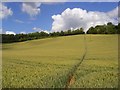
46, 31
40, 30
77, 18
31, 8
114, 12
10, 32
5, 11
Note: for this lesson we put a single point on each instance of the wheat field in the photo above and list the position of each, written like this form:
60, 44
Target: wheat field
48, 63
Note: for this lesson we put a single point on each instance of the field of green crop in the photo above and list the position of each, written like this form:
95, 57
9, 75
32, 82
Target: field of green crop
47, 63
100, 66
0, 66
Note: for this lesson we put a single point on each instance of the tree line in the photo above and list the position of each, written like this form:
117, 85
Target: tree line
9, 38
99, 29
105, 29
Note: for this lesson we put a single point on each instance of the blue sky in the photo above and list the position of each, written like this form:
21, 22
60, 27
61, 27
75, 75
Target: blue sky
21, 21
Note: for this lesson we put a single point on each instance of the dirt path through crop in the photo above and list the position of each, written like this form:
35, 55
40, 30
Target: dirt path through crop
71, 78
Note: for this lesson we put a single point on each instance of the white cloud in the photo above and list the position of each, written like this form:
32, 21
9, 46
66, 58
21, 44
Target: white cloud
37, 29
46, 31
40, 30
19, 21
10, 32
3, 31
22, 22
31, 8
23, 32
76, 18
5, 11
114, 12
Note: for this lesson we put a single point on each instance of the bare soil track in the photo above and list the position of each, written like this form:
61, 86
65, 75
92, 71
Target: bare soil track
71, 78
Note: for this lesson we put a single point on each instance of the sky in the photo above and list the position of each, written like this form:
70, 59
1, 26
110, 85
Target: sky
27, 17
